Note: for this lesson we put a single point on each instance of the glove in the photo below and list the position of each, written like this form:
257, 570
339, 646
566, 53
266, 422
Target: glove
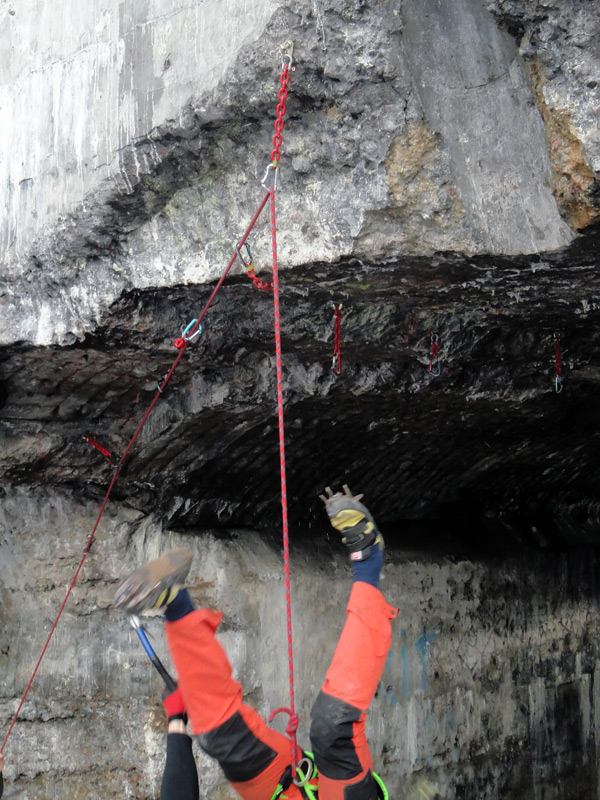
174, 705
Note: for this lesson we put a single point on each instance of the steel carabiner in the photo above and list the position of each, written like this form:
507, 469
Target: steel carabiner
247, 264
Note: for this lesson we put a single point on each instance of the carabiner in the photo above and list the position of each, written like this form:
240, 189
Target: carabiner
273, 165
181, 341
287, 52
558, 384
247, 264
191, 325
305, 769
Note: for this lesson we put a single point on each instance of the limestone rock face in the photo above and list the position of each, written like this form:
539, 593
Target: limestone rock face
438, 186
482, 688
138, 149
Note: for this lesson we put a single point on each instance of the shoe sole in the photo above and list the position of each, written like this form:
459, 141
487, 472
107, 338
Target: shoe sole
151, 585
342, 512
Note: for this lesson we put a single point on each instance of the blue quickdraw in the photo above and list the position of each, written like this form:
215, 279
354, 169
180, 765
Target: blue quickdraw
195, 333
179, 343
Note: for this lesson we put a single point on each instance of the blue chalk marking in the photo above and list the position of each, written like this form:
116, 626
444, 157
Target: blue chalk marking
391, 695
422, 646
404, 656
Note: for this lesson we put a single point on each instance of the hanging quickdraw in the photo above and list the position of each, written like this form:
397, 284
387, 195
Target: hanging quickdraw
435, 364
336, 361
112, 460
558, 378
250, 270
185, 337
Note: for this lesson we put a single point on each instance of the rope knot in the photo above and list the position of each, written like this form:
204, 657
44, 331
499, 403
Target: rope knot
292, 726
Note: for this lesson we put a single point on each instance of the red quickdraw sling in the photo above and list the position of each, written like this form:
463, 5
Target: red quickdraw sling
336, 361
434, 362
558, 378
112, 460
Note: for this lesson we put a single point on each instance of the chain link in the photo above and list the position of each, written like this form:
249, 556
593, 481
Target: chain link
281, 109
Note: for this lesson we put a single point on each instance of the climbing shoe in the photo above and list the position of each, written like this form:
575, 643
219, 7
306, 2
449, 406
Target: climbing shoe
155, 584
354, 521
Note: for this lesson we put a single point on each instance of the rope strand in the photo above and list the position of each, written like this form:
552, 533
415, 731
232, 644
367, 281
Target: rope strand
284, 510
121, 461
275, 158
270, 194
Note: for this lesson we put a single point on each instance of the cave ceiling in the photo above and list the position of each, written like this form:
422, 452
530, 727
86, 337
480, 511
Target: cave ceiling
488, 450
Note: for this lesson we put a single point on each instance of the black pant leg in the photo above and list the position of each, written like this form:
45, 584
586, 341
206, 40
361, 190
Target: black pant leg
180, 778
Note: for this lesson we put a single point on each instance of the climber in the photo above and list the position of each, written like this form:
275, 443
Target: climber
255, 758
1, 771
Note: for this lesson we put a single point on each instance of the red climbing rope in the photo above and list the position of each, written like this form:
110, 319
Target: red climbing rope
275, 157
434, 363
69, 590
291, 729
284, 515
181, 344
336, 361
132, 441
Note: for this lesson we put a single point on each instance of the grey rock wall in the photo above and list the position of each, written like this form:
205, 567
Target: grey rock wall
139, 134
490, 689
475, 94
84, 82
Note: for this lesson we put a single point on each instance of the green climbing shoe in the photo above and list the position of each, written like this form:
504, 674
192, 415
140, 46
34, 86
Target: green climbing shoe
154, 584
354, 521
